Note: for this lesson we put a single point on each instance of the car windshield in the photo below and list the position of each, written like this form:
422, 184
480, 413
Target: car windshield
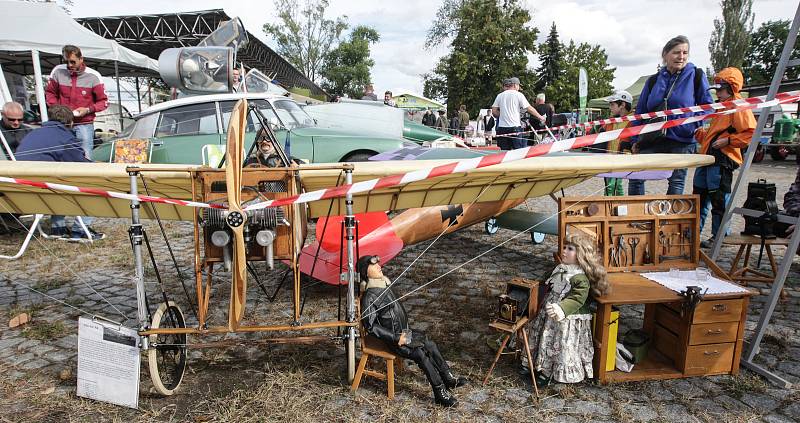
291, 114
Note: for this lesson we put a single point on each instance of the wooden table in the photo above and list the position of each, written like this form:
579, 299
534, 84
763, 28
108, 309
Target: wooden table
746, 243
682, 343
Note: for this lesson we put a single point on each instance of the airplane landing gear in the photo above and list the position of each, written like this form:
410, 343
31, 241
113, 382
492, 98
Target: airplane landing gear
166, 357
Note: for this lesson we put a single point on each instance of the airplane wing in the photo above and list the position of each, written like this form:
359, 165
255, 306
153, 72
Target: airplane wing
527, 178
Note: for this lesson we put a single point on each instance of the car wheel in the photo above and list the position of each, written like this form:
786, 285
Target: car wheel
778, 153
759, 156
358, 157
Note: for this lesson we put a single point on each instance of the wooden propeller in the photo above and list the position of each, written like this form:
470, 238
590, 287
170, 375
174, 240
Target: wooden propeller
236, 218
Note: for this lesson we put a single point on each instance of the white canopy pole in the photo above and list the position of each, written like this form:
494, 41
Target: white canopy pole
37, 74
4, 91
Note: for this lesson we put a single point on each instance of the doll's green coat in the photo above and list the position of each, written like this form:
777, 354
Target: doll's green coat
576, 300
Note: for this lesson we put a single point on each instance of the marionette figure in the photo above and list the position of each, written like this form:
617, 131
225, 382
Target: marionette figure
385, 318
562, 331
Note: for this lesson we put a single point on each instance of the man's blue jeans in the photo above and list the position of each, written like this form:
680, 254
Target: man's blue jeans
513, 142
85, 134
678, 179
707, 183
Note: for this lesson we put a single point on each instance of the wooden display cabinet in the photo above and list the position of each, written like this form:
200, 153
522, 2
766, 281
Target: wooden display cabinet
683, 342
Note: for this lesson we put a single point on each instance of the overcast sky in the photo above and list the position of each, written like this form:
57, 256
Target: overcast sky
631, 32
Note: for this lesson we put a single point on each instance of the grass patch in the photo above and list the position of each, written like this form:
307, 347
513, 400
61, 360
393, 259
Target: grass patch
44, 331
736, 386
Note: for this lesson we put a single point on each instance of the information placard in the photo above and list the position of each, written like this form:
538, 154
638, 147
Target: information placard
108, 362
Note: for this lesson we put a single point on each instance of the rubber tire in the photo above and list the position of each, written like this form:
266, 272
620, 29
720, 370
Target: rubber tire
537, 237
491, 226
759, 156
358, 157
778, 154
152, 353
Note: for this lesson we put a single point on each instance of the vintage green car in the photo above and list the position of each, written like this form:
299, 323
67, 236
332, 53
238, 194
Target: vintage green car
181, 129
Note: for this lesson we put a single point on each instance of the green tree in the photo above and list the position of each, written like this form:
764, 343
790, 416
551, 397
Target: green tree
489, 40
551, 60
563, 92
731, 36
303, 35
346, 68
766, 46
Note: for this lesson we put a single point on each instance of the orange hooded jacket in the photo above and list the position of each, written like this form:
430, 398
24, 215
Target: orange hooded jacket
743, 123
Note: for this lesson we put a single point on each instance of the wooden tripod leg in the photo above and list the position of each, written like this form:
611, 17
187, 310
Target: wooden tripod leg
530, 359
497, 357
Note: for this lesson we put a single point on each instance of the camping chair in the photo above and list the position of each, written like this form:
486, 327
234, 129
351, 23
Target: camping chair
371, 346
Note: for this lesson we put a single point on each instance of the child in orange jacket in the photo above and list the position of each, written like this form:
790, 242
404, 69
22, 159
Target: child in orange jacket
723, 139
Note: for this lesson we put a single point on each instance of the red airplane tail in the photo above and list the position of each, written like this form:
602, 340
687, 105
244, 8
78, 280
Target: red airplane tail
376, 236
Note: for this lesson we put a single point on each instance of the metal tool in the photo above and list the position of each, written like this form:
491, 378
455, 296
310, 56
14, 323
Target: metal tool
634, 242
664, 241
647, 254
622, 258
678, 257
687, 236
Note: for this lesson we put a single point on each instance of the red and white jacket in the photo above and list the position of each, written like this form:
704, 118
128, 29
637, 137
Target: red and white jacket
83, 88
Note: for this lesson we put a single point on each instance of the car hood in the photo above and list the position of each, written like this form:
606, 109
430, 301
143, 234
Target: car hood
314, 132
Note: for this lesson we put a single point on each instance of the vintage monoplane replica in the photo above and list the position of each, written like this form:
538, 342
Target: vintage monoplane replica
244, 214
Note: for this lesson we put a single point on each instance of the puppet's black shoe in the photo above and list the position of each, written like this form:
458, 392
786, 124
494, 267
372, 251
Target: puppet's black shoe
542, 381
443, 397
453, 382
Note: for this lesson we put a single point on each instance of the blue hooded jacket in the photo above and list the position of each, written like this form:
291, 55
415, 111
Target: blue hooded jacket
683, 95
53, 142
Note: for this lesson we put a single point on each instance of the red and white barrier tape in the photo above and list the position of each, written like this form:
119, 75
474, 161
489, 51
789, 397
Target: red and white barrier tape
682, 110
418, 175
111, 194
504, 157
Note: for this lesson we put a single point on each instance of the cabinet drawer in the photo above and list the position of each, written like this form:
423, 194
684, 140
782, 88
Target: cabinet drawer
668, 318
713, 333
718, 311
709, 359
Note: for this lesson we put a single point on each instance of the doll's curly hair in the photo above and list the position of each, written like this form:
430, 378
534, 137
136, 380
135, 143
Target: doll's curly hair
589, 262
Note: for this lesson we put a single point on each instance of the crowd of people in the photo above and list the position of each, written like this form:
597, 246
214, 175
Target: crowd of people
74, 95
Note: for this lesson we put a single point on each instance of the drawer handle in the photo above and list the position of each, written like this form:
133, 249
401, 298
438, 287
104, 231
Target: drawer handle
719, 307
714, 332
715, 352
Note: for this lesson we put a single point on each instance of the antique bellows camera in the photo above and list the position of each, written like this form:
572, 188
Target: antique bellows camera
520, 300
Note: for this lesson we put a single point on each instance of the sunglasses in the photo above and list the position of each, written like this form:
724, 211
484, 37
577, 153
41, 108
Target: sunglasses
374, 260
14, 120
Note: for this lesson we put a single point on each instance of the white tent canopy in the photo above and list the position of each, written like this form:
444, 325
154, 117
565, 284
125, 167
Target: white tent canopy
44, 27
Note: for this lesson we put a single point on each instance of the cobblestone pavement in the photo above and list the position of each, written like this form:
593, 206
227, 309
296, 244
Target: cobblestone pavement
57, 281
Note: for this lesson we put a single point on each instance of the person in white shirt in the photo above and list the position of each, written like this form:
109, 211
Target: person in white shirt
507, 106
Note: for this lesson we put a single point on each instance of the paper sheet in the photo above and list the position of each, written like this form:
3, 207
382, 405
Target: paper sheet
689, 278
108, 362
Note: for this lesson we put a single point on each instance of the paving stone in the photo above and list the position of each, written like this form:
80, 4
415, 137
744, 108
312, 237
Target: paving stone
552, 403
517, 395
731, 404
35, 364
69, 341
18, 359
28, 344
761, 403
641, 413
588, 407
777, 418
676, 413
10, 342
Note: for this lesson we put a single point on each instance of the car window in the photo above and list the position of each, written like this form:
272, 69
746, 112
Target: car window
193, 119
291, 114
253, 124
144, 126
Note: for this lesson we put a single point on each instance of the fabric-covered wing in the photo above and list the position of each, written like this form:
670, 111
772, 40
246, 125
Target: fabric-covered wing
527, 178
170, 181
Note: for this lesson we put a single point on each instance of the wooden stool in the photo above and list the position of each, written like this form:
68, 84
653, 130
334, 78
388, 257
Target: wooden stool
746, 244
371, 346
518, 328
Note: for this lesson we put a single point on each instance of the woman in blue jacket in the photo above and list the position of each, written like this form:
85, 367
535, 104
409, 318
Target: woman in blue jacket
677, 84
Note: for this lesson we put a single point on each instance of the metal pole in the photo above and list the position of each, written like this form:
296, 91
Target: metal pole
138, 95
119, 97
37, 75
137, 237
762, 120
350, 221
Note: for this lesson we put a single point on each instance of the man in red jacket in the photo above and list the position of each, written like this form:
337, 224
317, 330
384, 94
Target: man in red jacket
81, 89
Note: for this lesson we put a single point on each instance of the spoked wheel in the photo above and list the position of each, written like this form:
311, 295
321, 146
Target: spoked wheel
491, 226
166, 356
